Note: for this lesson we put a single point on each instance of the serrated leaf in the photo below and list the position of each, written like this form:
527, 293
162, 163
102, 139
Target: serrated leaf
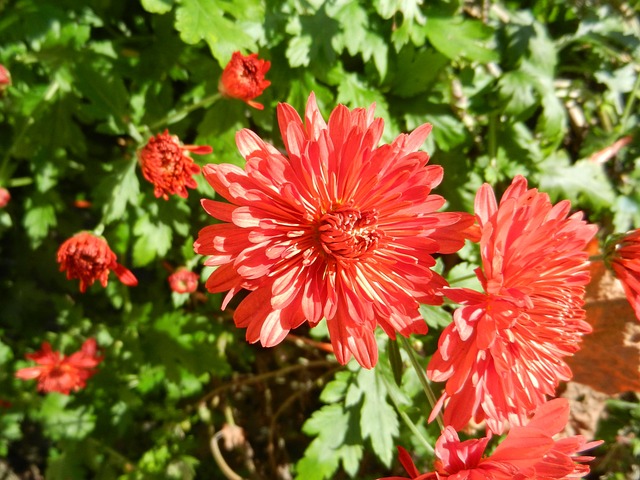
436, 317
336, 389
60, 422
448, 132
356, 35
338, 440
198, 20
516, 94
416, 70
107, 95
378, 419
457, 37
40, 217
119, 188
584, 182
311, 41
353, 92
153, 239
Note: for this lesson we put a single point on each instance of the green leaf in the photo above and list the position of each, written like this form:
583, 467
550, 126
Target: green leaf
416, 70
337, 441
378, 420
311, 41
198, 20
436, 317
357, 36
457, 38
448, 131
119, 189
157, 6
153, 240
39, 218
65, 465
584, 182
60, 422
107, 95
516, 94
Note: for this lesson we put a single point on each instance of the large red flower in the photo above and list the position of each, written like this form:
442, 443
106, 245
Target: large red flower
89, 258
623, 256
166, 163
243, 78
341, 228
57, 373
502, 355
528, 452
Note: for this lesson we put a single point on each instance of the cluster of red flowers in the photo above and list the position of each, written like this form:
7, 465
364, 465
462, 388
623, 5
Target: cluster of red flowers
344, 229
166, 163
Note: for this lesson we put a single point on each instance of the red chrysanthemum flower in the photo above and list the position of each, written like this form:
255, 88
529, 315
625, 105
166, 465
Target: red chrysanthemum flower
183, 281
243, 78
340, 229
5, 197
5, 78
89, 258
623, 257
528, 452
166, 163
57, 373
502, 355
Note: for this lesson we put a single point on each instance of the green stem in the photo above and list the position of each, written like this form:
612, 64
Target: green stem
462, 278
630, 101
422, 376
405, 418
493, 140
178, 115
19, 182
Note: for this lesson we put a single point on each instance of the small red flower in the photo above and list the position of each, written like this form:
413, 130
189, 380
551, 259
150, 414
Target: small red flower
527, 453
243, 78
89, 258
5, 78
5, 197
503, 354
183, 281
166, 163
623, 256
57, 373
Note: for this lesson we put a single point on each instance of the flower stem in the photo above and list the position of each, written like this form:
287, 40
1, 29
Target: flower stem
462, 278
405, 418
422, 376
630, 101
178, 115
